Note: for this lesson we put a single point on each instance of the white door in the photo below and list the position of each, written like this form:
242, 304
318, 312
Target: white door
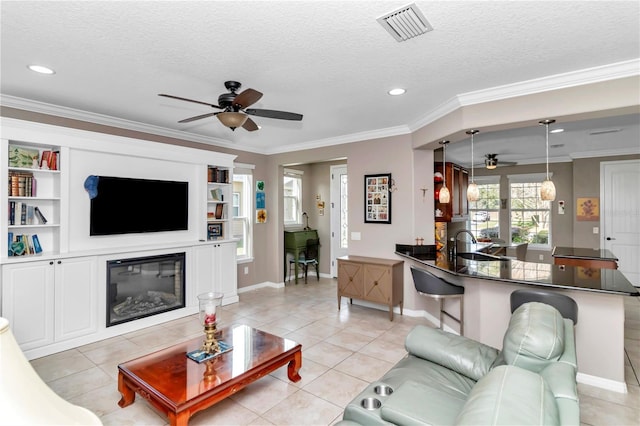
339, 216
620, 221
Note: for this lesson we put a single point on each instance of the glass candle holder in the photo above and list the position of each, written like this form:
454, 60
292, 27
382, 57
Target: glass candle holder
208, 304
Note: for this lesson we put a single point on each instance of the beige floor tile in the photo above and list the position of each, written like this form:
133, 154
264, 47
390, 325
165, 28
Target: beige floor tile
319, 331
101, 401
61, 364
326, 354
336, 387
349, 340
121, 350
364, 367
81, 382
224, 413
140, 413
303, 408
309, 372
385, 351
264, 394
595, 411
630, 399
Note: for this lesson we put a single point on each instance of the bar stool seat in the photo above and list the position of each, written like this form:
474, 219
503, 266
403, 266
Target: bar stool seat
435, 287
567, 307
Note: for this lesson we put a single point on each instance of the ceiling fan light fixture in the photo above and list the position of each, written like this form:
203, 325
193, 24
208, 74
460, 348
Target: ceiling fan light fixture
232, 119
491, 163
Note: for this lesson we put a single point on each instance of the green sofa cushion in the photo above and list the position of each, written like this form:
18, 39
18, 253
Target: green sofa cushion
510, 395
458, 353
535, 336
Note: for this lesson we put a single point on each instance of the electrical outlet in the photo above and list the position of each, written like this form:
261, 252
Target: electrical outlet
596, 230
246, 270
541, 257
355, 236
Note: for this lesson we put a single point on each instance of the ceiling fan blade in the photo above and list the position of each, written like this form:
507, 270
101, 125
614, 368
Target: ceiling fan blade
198, 117
188, 100
268, 113
247, 98
250, 125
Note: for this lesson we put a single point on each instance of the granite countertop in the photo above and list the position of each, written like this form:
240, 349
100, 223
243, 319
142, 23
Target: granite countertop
508, 270
583, 253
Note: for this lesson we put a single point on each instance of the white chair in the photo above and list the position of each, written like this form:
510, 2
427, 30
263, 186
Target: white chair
27, 400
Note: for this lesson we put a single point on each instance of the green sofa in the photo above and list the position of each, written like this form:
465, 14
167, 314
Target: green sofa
448, 379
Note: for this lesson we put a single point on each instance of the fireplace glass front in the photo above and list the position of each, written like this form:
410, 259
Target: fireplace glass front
145, 286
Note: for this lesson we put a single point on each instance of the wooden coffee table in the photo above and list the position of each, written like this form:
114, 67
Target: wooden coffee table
179, 387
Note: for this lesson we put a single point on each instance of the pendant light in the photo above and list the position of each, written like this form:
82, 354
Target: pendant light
473, 192
548, 189
444, 197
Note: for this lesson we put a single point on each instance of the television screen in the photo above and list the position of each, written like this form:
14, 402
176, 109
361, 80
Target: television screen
129, 206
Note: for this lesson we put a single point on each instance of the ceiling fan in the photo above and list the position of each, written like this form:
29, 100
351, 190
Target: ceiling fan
235, 109
491, 162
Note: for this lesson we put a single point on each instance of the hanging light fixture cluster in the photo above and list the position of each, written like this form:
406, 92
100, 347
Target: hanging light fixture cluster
444, 196
473, 192
548, 189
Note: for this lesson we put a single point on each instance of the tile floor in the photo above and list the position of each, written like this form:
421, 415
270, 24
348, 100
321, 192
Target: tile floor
342, 352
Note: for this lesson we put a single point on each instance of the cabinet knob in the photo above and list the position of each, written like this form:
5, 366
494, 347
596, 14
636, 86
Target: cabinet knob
375, 283
59, 262
51, 263
350, 279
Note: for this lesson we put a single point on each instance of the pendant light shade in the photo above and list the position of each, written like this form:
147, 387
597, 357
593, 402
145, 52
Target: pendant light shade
473, 192
444, 196
548, 189
232, 119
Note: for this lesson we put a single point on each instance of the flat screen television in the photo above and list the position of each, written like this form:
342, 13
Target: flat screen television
131, 206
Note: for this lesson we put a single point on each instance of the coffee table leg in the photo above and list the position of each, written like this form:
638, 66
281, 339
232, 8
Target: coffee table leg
294, 367
180, 419
128, 395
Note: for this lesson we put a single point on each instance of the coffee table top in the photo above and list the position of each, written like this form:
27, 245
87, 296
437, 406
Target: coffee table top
176, 379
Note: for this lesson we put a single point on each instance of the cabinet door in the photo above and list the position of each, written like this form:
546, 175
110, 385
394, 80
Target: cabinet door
27, 302
226, 273
464, 185
203, 266
377, 284
76, 297
350, 276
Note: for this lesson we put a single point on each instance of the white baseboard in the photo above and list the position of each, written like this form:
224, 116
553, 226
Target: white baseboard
599, 382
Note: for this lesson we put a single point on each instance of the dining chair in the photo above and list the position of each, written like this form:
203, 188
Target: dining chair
309, 256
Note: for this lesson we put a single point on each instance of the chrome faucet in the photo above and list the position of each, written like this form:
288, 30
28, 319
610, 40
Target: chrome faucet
455, 240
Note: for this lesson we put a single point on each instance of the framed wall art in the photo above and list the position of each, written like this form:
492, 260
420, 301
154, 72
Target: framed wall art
377, 198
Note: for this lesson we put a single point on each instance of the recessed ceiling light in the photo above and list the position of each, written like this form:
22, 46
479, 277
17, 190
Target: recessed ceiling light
41, 69
396, 92
556, 131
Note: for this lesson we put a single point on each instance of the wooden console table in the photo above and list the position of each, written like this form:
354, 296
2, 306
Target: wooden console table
371, 279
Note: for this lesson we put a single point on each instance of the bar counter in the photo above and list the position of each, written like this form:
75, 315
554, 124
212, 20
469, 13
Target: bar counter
488, 284
511, 270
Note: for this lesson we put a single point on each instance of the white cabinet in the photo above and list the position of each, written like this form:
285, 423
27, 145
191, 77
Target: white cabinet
51, 300
27, 302
215, 270
76, 297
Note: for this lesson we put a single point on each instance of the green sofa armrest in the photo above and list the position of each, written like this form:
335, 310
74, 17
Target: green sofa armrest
510, 395
569, 355
458, 353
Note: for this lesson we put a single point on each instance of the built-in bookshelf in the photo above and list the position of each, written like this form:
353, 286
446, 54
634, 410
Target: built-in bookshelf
33, 198
219, 196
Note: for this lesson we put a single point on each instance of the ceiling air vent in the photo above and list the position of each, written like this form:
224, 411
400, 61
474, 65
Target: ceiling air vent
405, 23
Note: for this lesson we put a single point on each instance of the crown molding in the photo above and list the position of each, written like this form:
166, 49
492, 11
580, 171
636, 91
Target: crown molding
605, 153
544, 84
106, 120
350, 138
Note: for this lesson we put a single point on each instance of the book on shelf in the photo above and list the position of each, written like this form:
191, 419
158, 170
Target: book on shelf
217, 195
39, 215
219, 211
216, 175
22, 184
20, 245
23, 214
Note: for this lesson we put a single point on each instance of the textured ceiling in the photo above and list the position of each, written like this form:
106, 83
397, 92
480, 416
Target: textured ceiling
328, 60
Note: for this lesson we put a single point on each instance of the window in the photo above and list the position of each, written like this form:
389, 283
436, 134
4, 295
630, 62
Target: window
484, 214
530, 216
292, 185
242, 208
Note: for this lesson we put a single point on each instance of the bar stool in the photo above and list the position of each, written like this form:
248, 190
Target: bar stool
429, 285
567, 307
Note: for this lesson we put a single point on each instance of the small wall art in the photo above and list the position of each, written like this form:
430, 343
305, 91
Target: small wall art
377, 198
588, 209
